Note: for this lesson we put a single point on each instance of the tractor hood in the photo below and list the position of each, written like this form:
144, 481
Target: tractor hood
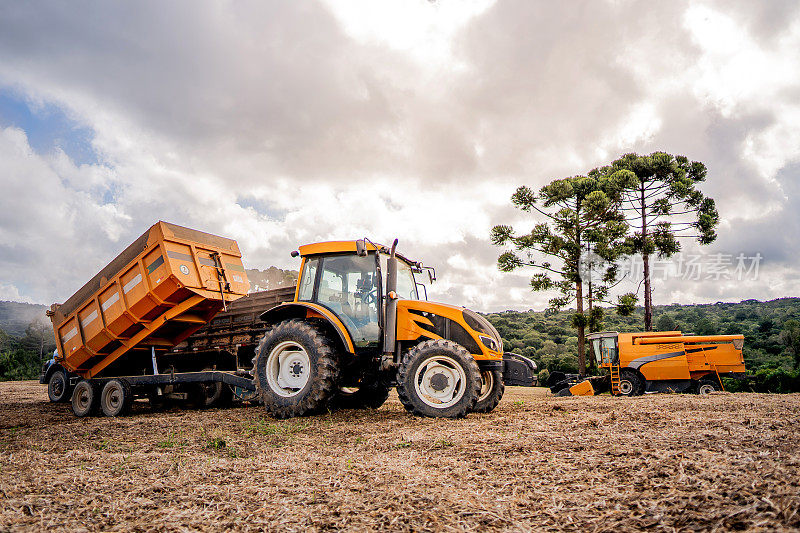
458, 324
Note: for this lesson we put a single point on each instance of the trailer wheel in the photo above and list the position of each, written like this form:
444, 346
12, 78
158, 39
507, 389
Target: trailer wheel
707, 386
492, 389
439, 378
116, 398
296, 371
367, 396
85, 398
630, 383
58, 389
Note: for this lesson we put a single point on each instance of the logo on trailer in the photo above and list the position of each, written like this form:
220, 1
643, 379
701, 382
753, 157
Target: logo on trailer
184, 270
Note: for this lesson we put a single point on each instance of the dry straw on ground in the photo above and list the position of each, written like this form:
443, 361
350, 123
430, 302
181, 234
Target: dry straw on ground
663, 462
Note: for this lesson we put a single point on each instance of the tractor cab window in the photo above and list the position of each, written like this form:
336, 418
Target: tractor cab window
605, 350
348, 287
306, 291
406, 285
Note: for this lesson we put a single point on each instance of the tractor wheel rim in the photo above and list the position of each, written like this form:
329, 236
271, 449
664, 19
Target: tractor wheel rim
625, 387
706, 389
113, 397
487, 384
83, 398
440, 382
288, 369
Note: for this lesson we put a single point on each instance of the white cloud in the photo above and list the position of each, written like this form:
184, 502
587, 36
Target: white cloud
284, 123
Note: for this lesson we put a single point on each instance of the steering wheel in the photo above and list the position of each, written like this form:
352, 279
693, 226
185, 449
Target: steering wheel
371, 297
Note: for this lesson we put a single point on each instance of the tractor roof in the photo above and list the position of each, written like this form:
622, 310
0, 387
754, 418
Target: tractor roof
339, 247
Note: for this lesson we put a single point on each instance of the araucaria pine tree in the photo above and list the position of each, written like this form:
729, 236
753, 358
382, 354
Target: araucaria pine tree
662, 206
580, 212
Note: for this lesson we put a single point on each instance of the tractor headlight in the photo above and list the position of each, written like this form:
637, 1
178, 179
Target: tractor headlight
488, 342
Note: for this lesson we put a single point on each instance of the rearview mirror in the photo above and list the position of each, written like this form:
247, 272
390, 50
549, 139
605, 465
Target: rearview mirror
361, 248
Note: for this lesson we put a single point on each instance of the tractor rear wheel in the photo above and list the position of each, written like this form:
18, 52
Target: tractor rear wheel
439, 378
492, 389
85, 398
630, 383
58, 389
116, 398
296, 370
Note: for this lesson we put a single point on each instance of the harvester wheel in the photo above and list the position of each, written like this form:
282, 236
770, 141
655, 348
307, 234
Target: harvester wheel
367, 396
630, 383
58, 389
116, 398
85, 398
492, 389
439, 378
707, 386
296, 371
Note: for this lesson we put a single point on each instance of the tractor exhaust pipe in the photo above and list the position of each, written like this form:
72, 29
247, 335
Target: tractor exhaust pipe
390, 317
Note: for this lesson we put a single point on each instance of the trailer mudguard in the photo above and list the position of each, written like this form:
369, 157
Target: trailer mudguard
309, 310
519, 370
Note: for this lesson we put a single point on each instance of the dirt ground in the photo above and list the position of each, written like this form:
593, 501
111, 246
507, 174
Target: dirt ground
664, 462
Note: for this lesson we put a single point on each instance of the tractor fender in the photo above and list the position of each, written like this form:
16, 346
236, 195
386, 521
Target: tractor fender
309, 310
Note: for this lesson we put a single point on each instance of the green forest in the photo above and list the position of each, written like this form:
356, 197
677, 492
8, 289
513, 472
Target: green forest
771, 330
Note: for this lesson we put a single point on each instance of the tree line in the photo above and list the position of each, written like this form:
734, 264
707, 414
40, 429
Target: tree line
21, 356
771, 336
637, 205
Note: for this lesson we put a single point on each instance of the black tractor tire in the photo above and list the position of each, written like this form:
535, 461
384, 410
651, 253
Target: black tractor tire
317, 384
442, 353
211, 394
707, 386
116, 398
630, 383
370, 395
86, 398
58, 389
492, 389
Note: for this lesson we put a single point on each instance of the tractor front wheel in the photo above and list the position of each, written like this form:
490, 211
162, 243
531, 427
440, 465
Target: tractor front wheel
707, 386
296, 371
492, 389
439, 378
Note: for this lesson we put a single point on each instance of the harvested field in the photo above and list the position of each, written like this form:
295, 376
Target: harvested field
664, 462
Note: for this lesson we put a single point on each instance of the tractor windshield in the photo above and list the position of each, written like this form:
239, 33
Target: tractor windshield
348, 287
605, 350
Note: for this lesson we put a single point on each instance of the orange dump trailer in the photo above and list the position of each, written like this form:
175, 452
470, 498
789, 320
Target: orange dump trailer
162, 288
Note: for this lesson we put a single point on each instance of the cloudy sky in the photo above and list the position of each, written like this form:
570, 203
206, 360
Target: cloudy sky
283, 123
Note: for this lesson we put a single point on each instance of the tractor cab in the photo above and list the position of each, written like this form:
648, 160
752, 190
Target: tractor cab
605, 348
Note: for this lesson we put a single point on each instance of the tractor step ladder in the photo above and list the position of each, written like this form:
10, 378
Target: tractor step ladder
714, 367
614, 380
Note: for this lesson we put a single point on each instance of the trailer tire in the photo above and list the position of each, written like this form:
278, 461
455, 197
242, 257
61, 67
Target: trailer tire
296, 370
707, 386
116, 398
370, 395
630, 383
430, 371
58, 389
85, 398
492, 389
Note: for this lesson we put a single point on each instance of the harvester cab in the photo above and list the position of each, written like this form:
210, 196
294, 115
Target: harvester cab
357, 327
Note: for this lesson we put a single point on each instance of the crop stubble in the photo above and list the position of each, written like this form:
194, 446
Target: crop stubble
669, 462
